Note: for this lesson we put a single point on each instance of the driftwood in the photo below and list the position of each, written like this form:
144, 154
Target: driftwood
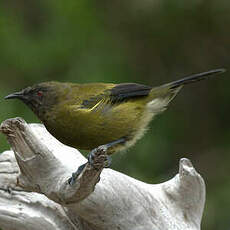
35, 193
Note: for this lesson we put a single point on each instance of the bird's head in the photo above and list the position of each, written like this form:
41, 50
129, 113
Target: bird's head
39, 98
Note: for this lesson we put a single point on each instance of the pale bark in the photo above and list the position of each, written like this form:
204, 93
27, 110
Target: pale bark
35, 194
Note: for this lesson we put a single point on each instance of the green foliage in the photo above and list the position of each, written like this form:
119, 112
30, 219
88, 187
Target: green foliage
150, 42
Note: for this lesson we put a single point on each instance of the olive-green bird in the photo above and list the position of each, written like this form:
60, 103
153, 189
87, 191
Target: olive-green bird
87, 116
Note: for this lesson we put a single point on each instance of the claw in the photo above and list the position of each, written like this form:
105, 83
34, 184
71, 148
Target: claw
108, 162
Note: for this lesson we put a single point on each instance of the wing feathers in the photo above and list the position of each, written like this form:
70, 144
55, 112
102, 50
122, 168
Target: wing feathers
125, 91
117, 94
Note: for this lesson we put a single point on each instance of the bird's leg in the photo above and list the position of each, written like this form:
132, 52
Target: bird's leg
95, 158
75, 175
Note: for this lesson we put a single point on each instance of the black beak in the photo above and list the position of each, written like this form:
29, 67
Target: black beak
19, 95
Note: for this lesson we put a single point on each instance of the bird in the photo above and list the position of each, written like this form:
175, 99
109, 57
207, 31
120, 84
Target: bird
95, 116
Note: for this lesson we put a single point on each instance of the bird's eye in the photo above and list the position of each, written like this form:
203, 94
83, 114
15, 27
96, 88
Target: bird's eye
39, 93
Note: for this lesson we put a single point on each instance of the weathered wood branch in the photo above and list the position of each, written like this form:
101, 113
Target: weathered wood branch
34, 190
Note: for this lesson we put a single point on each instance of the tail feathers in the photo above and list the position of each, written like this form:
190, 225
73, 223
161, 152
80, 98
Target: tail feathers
162, 95
194, 78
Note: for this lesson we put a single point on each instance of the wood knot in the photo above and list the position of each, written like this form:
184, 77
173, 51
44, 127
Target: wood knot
9, 126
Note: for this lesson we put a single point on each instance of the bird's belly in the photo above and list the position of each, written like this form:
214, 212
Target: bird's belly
91, 129
91, 135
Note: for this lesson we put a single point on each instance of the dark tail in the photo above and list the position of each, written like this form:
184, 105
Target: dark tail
194, 77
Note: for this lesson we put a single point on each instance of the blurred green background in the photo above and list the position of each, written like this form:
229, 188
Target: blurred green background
148, 42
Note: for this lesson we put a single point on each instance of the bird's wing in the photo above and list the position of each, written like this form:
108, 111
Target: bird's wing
127, 91
116, 94
92, 101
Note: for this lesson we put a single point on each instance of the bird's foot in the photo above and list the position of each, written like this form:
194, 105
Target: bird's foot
98, 157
